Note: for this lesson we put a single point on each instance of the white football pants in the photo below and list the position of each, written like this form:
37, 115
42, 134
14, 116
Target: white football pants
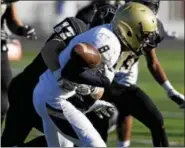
87, 134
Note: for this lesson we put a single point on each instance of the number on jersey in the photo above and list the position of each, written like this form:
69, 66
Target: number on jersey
103, 49
64, 30
126, 61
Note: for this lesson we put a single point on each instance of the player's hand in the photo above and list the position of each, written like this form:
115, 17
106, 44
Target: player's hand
83, 89
28, 32
102, 108
67, 85
109, 72
177, 97
4, 35
107, 111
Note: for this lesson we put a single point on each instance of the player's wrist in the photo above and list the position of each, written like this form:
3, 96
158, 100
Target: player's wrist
57, 74
167, 86
97, 93
94, 91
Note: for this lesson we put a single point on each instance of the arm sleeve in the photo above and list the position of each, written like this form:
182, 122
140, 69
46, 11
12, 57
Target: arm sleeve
76, 72
90, 77
50, 53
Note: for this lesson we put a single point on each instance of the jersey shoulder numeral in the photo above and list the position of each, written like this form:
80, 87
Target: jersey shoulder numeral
64, 30
126, 61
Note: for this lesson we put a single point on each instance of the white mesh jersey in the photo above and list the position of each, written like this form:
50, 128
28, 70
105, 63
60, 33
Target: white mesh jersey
127, 69
102, 38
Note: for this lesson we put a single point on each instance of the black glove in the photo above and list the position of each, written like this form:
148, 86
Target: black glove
27, 31
107, 112
177, 97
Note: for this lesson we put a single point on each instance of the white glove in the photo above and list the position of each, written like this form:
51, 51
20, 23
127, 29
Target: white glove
109, 73
176, 97
101, 108
173, 94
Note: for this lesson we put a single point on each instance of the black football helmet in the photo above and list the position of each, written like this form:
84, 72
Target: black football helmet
102, 15
152, 4
8, 1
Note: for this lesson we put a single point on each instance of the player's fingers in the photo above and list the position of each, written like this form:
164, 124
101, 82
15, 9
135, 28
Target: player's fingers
99, 115
110, 110
105, 113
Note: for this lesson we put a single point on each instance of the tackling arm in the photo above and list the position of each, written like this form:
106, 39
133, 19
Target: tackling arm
15, 24
13, 21
83, 73
50, 53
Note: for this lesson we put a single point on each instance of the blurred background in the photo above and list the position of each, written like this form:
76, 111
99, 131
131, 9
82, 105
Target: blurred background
43, 15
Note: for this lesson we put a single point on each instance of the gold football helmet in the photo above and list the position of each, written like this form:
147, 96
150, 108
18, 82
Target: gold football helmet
135, 25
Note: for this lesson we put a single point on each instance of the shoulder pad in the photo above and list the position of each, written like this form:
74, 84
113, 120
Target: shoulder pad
69, 28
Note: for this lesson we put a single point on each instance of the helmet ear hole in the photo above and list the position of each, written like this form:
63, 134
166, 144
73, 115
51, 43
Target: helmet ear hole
129, 34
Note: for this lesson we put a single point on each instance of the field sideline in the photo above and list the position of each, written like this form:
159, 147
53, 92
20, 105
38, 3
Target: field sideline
173, 63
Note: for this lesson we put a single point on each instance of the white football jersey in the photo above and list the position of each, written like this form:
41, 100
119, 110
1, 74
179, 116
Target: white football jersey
102, 38
127, 69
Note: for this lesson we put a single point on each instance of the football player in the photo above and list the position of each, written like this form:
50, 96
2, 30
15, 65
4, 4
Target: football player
23, 124
134, 101
22, 102
48, 94
18, 80
128, 103
9, 15
74, 62
124, 122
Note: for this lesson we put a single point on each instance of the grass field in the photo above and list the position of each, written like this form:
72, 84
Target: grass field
173, 63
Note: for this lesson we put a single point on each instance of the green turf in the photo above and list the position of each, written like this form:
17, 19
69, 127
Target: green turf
173, 63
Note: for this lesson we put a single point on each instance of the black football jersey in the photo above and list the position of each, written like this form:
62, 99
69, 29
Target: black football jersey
64, 31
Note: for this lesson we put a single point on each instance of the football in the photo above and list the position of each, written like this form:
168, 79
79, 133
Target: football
87, 54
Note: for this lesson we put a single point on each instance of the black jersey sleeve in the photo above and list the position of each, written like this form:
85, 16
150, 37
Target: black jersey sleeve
87, 76
77, 71
50, 52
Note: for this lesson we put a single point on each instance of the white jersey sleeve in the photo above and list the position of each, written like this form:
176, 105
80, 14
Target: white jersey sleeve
100, 37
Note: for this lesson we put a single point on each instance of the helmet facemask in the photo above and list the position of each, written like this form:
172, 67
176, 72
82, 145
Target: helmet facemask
147, 40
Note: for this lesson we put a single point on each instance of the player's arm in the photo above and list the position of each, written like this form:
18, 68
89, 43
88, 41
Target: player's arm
50, 52
159, 74
81, 68
13, 20
15, 24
